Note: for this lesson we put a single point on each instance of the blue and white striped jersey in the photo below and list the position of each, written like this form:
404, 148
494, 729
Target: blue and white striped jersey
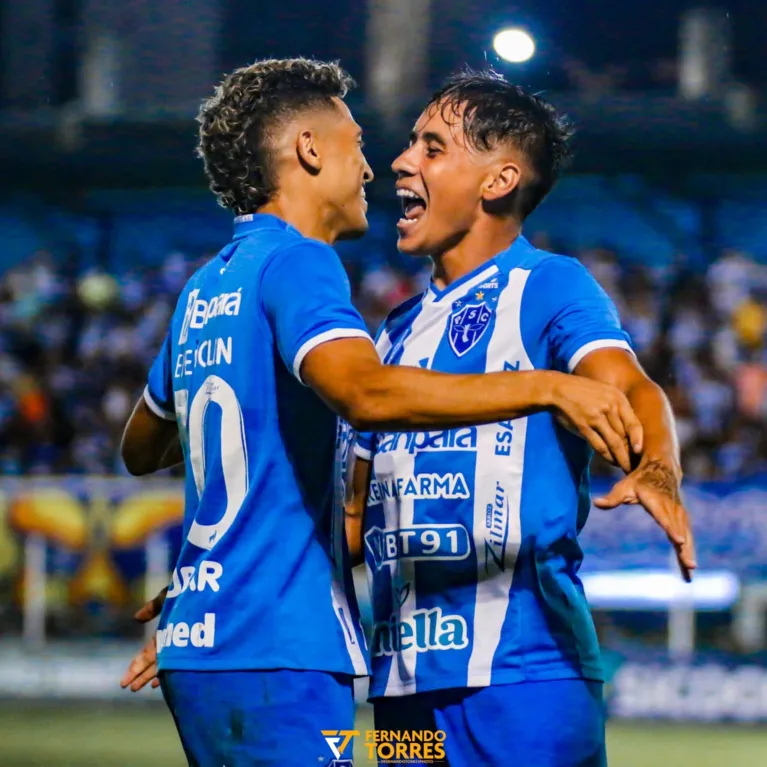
471, 534
262, 580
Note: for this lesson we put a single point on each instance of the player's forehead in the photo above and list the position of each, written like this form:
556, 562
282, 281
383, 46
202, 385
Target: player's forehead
442, 120
345, 118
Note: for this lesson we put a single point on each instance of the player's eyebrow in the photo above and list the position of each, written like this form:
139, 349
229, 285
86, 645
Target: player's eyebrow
428, 137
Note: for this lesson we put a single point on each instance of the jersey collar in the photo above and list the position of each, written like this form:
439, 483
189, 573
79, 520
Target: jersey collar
251, 222
504, 261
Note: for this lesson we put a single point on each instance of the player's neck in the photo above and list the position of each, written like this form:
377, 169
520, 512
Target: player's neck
478, 246
302, 214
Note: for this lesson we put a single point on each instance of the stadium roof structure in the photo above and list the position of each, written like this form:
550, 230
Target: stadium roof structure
654, 134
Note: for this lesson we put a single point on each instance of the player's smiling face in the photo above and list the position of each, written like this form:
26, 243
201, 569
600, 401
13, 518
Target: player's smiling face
345, 171
440, 182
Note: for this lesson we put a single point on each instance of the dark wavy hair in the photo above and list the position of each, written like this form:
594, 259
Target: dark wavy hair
237, 122
496, 111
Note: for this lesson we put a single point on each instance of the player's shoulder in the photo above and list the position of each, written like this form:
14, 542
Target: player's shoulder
524, 255
550, 274
274, 242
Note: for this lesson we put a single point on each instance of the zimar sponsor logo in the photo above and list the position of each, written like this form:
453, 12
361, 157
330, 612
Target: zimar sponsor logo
496, 531
428, 441
405, 746
203, 633
427, 486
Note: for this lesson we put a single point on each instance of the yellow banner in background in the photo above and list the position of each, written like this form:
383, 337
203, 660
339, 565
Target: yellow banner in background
91, 526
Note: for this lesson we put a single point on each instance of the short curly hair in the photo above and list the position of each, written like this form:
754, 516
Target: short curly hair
237, 122
494, 111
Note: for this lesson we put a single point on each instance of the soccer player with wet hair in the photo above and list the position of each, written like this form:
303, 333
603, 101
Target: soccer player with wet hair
481, 626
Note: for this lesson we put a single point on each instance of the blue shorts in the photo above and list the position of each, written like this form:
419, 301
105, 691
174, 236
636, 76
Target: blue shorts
533, 724
259, 718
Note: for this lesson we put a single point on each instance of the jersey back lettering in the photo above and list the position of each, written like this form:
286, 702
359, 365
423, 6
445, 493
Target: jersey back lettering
262, 578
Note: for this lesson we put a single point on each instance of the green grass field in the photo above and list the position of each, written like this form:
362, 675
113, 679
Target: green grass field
73, 735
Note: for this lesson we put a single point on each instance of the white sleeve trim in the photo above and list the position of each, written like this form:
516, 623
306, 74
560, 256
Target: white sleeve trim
321, 338
155, 408
362, 452
592, 346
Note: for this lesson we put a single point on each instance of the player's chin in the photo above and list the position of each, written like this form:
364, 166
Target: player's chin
411, 238
355, 228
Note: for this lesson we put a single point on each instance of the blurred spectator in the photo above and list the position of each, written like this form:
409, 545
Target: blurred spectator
74, 349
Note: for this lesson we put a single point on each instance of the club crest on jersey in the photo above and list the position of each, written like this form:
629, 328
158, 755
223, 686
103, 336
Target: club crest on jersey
468, 326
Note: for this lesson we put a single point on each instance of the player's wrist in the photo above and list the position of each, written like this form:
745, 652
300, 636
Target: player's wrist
549, 389
668, 460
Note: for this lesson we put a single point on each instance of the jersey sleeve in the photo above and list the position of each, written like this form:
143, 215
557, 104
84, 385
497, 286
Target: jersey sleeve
565, 306
158, 393
364, 444
307, 301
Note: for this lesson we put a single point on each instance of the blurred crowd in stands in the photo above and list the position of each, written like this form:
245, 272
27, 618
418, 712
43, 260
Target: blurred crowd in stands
75, 349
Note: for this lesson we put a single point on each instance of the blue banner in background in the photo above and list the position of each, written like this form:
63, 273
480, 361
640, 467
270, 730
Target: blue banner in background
709, 688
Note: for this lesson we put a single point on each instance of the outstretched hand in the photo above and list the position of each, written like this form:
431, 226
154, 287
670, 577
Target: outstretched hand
655, 485
143, 667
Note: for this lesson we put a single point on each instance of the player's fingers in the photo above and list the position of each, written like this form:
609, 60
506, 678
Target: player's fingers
618, 428
596, 442
685, 568
662, 511
143, 679
151, 609
687, 557
687, 548
155, 682
146, 613
616, 444
142, 661
622, 492
137, 667
665, 511
631, 424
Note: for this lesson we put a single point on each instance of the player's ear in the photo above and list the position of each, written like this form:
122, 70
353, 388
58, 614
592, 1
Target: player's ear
503, 180
308, 150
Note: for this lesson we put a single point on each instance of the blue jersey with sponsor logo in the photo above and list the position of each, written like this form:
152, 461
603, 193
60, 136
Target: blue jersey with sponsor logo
471, 534
262, 580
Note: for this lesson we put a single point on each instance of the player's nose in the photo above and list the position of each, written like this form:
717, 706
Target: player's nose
367, 173
404, 164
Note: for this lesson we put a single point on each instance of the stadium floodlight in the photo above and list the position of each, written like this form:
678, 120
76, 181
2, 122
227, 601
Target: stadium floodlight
514, 45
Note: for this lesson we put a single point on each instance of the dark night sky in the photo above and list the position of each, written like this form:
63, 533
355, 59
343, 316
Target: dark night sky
595, 31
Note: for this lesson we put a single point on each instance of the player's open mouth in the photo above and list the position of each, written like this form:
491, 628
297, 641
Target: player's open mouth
413, 207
